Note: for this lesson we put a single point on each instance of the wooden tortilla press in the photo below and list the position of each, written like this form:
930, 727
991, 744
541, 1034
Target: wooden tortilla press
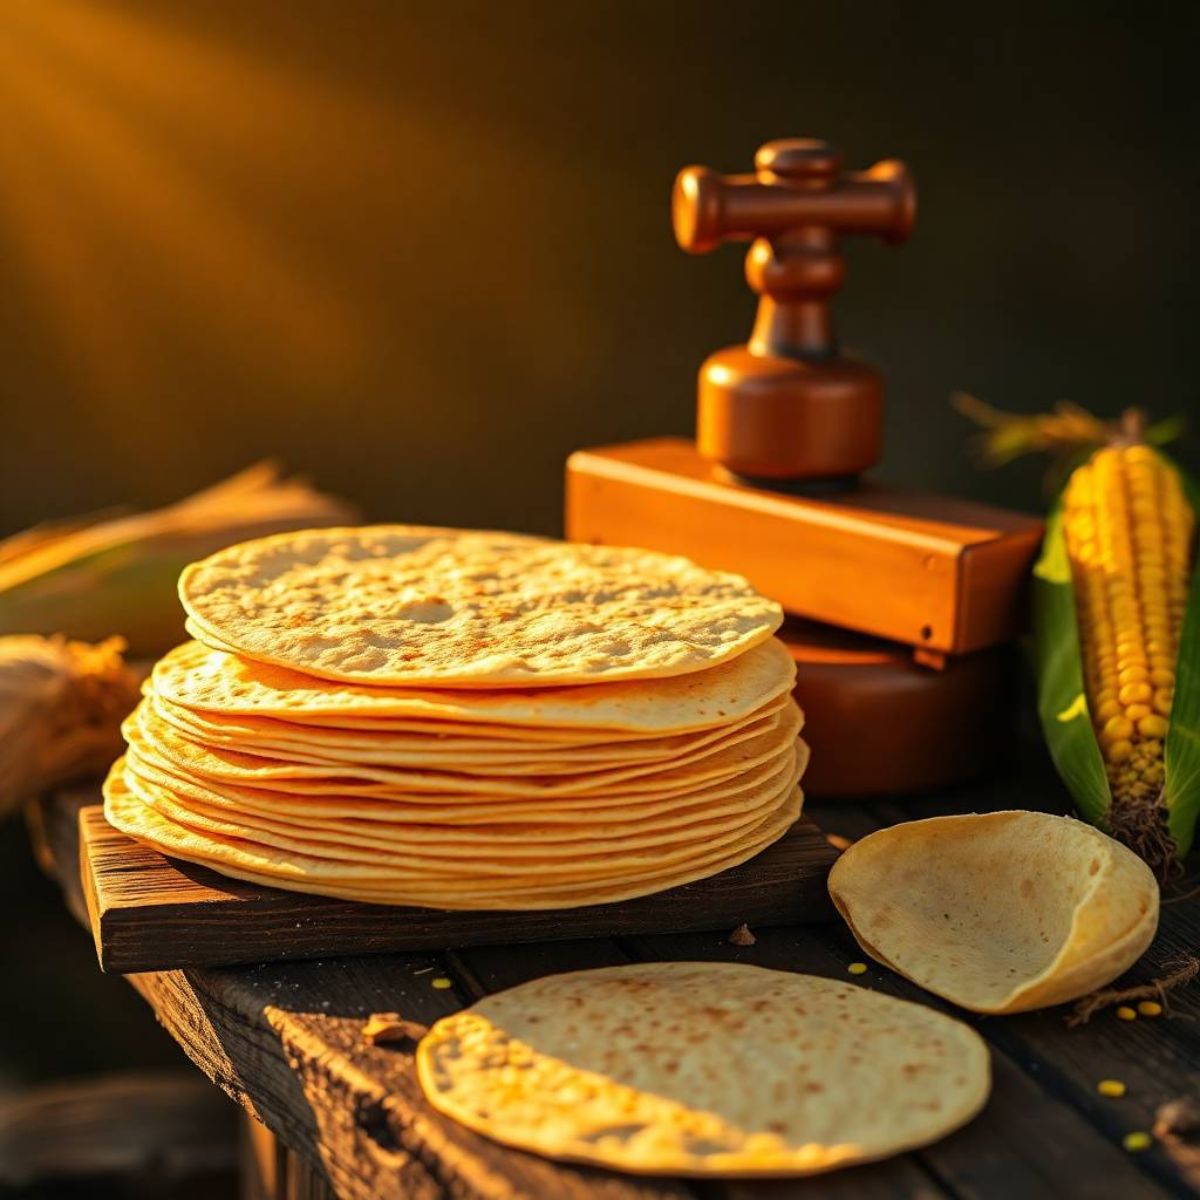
903, 606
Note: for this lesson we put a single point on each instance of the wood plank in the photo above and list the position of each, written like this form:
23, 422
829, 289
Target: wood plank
53, 824
148, 912
374, 1120
285, 1041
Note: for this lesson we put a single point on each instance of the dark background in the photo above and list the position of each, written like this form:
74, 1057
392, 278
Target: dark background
421, 251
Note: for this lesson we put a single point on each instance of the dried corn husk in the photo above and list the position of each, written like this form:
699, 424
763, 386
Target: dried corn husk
112, 575
61, 706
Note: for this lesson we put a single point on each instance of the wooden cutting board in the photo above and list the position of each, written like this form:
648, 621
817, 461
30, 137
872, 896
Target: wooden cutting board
153, 913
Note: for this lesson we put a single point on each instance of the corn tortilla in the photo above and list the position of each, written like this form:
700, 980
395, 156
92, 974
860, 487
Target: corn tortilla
416, 749
563, 819
690, 771
704, 1069
195, 677
407, 605
409, 715
247, 860
998, 912
450, 809
608, 850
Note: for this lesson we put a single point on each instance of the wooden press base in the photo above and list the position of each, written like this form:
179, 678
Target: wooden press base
944, 574
880, 724
152, 913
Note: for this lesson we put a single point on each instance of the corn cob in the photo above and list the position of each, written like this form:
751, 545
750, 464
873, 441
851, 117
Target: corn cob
1128, 527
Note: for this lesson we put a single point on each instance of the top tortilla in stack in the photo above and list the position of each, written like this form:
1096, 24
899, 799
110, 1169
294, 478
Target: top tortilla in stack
407, 715
404, 605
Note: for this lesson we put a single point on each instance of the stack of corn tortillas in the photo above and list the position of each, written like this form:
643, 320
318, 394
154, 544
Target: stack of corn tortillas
464, 720
704, 1069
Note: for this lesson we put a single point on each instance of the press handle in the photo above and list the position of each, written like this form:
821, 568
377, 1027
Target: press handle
797, 183
786, 404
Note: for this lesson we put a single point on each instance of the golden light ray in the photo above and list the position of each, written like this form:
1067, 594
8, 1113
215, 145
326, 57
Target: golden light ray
229, 96
163, 135
97, 344
248, 283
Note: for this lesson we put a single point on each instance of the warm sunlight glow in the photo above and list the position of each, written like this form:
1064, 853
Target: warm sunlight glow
93, 180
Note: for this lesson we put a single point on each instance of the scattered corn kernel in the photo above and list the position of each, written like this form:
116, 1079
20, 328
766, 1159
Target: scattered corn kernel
1150, 1008
1133, 1142
857, 968
1110, 1087
1125, 1013
442, 983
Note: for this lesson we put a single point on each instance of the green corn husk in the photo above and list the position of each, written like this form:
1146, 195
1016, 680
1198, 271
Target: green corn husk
1062, 699
115, 575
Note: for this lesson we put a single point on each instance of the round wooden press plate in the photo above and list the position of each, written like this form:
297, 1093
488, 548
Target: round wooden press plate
879, 724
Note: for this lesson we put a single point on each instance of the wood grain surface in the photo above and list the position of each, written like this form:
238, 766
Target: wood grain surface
149, 912
285, 1040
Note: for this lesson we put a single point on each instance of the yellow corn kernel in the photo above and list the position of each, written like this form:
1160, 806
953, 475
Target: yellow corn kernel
1152, 726
1110, 1087
857, 968
1150, 1008
1125, 1013
1117, 729
1133, 1142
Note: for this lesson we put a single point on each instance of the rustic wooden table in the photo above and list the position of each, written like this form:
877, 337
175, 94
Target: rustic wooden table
332, 1116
